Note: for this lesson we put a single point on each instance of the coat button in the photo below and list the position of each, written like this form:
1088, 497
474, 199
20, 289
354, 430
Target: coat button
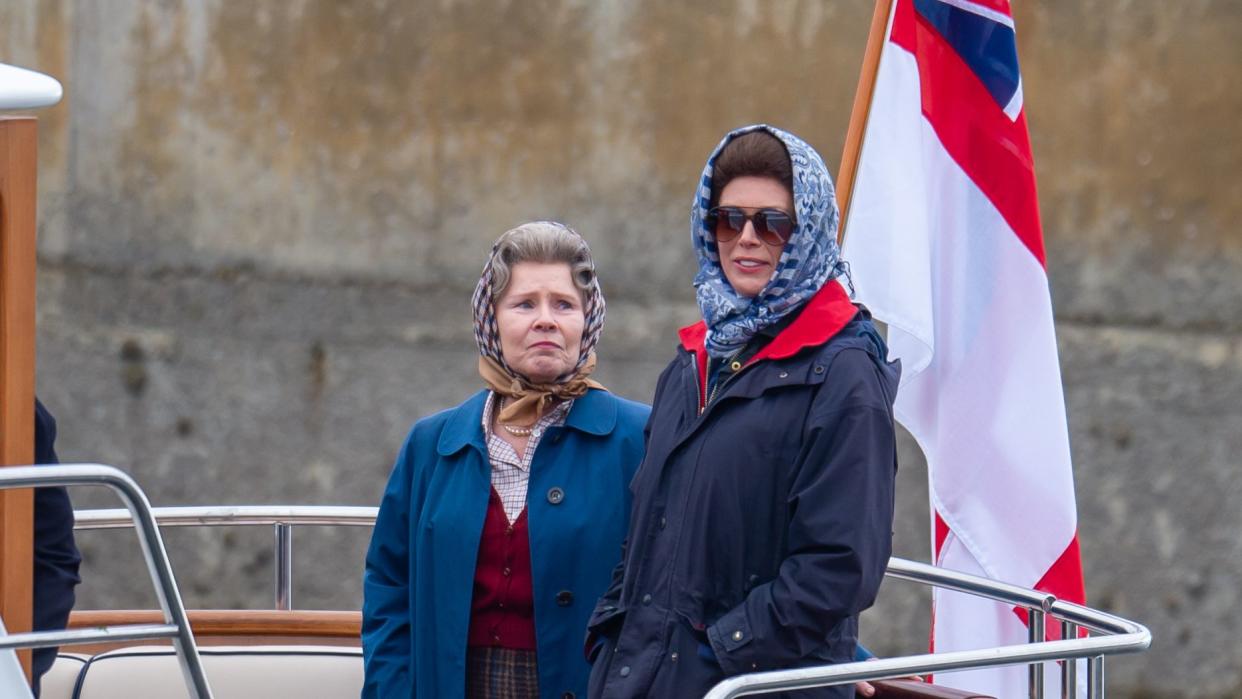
819, 368
737, 635
564, 598
646, 599
555, 496
625, 671
673, 657
568, 695
663, 522
784, 374
506, 572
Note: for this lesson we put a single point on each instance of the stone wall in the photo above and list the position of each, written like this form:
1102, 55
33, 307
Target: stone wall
260, 222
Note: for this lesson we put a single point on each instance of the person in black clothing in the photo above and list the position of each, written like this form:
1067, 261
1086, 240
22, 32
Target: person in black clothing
763, 508
56, 557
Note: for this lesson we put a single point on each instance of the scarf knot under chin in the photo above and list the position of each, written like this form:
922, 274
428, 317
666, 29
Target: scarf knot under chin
527, 402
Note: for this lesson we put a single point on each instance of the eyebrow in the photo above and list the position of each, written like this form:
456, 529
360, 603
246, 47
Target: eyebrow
555, 294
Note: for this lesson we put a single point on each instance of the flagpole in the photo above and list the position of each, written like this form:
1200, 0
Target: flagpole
861, 111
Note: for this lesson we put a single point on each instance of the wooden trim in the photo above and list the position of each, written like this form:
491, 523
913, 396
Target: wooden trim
237, 622
18, 169
861, 111
914, 689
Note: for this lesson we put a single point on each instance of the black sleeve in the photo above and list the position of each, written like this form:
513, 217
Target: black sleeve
607, 614
56, 556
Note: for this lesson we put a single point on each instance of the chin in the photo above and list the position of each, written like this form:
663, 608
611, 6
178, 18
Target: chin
543, 374
742, 288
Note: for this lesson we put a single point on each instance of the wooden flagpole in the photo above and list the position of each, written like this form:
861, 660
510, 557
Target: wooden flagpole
18, 163
861, 111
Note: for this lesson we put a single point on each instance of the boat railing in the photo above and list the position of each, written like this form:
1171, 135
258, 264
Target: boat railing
1108, 635
138, 514
282, 518
1086, 633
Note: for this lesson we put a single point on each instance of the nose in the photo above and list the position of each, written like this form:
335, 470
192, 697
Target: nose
545, 320
749, 237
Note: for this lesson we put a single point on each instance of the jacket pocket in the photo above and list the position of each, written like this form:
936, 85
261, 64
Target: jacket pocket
606, 619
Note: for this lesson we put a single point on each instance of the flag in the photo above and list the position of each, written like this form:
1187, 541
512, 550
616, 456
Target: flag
945, 245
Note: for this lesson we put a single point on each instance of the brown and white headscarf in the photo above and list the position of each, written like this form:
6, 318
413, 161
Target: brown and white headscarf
528, 401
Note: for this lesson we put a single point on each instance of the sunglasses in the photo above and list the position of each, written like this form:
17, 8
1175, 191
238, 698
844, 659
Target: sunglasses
772, 226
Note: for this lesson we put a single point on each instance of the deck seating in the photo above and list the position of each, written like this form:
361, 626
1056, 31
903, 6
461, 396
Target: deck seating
270, 672
235, 672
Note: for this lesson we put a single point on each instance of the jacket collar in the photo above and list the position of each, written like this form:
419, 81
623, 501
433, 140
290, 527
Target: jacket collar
826, 313
594, 413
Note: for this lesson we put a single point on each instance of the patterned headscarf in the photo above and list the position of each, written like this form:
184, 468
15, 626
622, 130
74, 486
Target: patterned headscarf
809, 260
530, 400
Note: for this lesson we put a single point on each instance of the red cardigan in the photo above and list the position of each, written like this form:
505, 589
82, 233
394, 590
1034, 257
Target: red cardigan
502, 610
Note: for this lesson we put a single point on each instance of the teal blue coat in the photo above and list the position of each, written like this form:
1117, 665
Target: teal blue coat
420, 566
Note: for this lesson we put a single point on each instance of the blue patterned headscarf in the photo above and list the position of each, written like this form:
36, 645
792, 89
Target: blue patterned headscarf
809, 260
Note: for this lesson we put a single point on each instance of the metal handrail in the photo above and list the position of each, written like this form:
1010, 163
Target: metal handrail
1123, 636
221, 516
177, 624
1119, 635
282, 517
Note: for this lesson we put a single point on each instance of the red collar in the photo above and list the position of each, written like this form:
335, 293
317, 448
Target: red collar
825, 314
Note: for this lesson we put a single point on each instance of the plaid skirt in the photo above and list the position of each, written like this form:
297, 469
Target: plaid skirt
501, 673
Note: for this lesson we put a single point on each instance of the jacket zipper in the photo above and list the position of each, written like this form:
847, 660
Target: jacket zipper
720, 385
698, 389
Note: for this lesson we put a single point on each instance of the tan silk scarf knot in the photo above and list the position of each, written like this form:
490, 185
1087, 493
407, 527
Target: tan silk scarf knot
528, 402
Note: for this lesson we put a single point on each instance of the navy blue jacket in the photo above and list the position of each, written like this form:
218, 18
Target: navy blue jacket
56, 558
762, 525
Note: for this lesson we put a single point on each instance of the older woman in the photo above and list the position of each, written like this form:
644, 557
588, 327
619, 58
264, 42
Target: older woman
763, 508
503, 515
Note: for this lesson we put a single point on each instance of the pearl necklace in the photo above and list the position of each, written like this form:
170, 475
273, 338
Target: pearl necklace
515, 431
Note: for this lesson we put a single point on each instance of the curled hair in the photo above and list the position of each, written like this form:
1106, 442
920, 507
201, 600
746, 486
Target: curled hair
542, 242
754, 154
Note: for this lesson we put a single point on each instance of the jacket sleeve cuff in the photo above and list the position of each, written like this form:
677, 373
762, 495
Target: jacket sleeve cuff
729, 637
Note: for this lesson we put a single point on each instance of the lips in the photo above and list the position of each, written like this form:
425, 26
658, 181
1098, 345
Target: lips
545, 345
749, 265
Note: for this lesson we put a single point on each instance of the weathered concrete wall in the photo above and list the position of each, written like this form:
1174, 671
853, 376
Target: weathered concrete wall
260, 223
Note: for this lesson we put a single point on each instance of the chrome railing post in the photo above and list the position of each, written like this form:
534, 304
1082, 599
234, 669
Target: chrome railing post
161, 573
1069, 668
153, 552
1036, 634
1095, 677
284, 566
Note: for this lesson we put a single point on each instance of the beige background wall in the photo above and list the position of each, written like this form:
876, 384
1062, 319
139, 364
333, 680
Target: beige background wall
260, 223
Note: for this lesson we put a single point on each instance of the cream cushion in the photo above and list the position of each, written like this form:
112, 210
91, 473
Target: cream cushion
234, 672
58, 682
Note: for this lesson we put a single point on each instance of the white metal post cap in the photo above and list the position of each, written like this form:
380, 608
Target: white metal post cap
26, 89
